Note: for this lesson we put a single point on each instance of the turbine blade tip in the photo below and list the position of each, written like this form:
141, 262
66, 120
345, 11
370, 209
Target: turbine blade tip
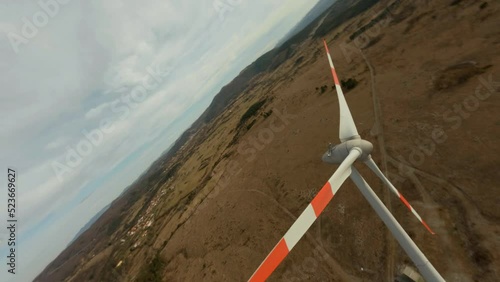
428, 228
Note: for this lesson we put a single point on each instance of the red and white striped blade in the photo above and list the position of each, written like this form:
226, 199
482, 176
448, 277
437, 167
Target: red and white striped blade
347, 128
373, 166
306, 219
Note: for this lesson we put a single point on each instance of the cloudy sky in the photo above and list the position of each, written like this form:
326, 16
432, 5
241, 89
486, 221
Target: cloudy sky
94, 91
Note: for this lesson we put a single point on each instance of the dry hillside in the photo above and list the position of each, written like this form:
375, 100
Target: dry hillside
427, 97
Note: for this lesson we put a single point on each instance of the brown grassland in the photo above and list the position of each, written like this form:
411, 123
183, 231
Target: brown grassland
427, 97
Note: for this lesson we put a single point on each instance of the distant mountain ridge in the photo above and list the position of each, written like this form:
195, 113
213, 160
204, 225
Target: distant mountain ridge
335, 12
89, 223
311, 16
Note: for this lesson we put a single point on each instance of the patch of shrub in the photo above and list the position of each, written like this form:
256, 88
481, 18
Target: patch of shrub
383, 15
456, 75
114, 225
298, 61
252, 110
349, 84
251, 124
152, 272
373, 41
323, 89
268, 113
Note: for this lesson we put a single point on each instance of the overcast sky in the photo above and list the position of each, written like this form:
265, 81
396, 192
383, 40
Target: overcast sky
94, 91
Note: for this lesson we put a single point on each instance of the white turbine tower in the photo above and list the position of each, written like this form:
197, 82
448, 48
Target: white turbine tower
351, 149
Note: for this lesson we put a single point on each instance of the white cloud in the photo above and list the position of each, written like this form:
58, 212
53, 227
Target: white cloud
95, 112
57, 143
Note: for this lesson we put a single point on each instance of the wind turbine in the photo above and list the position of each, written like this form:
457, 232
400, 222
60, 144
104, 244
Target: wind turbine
352, 148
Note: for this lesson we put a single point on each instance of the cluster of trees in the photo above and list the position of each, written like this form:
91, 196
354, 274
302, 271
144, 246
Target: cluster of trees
348, 84
252, 110
345, 84
322, 88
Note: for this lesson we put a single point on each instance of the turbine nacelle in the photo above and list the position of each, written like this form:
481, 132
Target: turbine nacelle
337, 154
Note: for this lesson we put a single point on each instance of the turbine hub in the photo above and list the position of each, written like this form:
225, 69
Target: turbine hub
336, 154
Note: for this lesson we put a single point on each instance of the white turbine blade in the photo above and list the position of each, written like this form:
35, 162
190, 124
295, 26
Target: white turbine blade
306, 219
421, 262
347, 128
373, 166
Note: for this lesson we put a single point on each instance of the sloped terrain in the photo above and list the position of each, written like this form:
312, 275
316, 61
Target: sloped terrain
427, 97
